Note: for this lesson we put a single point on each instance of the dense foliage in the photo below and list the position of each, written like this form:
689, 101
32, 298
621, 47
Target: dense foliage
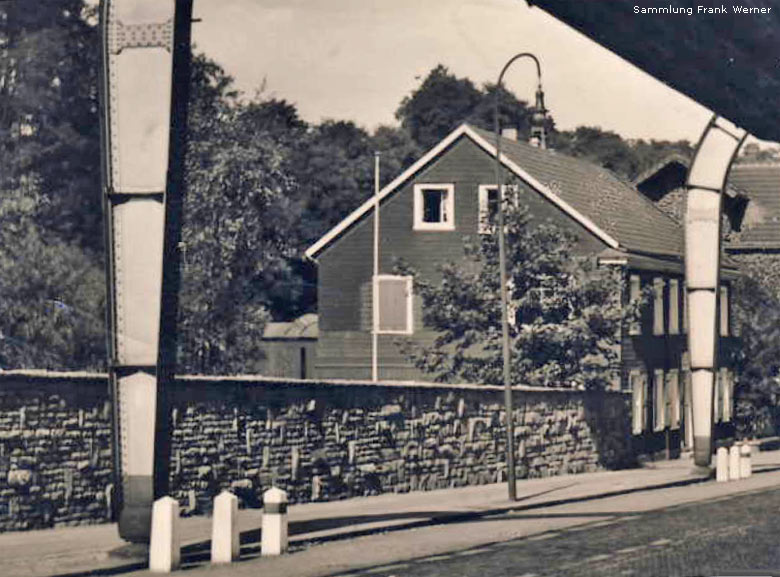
756, 313
565, 316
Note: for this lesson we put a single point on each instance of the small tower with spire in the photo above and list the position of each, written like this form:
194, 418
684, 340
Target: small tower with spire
539, 121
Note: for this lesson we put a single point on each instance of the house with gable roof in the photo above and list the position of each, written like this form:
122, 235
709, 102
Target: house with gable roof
424, 215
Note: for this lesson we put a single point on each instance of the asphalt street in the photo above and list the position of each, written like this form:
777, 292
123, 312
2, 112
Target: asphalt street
702, 529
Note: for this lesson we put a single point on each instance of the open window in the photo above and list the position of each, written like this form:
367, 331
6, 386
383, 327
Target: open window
488, 208
394, 305
434, 207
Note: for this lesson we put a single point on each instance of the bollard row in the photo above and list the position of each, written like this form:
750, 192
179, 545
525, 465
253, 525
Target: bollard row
165, 546
733, 463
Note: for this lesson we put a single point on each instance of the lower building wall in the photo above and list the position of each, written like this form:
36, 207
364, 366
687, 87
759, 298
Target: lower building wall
317, 440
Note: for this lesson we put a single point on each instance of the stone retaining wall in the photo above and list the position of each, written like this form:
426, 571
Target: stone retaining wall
317, 440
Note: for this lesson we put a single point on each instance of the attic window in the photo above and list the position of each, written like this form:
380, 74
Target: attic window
488, 208
434, 207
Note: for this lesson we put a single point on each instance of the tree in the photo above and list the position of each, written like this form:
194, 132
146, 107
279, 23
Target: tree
757, 315
333, 169
239, 228
52, 295
440, 104
49, 125
565, 315
398, 151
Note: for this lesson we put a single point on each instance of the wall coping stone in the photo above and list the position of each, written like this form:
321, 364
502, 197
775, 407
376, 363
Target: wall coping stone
53, 376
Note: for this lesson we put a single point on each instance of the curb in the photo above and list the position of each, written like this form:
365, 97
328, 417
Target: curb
199, 550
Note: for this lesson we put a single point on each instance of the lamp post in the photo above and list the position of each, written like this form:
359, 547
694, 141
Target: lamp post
509, 409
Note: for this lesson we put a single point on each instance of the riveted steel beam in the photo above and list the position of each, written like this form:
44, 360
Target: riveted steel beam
140, 41
705, 184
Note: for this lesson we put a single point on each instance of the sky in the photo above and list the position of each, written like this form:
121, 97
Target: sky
357, 59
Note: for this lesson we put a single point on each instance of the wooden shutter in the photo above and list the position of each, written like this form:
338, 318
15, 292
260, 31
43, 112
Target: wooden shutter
659, 400
638, 386
673, 388
717, 396
635, 290
724, 311
727, 394
658, 306
394, 305
674, 306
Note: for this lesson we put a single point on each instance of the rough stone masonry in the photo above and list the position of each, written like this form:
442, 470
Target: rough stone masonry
316, 440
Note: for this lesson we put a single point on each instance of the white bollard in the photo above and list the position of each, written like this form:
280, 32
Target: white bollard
722, 465
165, 548
734, 463
745, 461
274, 522
225, 544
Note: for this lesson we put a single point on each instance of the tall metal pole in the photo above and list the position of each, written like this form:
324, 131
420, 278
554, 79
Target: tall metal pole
375, 279
719, 144
140, 119
507, 372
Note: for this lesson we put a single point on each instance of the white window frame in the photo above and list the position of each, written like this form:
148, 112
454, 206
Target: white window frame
724, 310
674, 306
448, 209
483, 226
409, 304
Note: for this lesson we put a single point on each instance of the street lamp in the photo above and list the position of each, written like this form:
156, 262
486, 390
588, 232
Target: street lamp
539, 112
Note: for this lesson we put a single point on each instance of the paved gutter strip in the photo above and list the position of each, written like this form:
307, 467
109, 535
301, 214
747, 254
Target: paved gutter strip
201, 546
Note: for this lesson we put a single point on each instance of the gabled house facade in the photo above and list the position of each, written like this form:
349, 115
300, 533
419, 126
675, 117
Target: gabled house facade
424, 215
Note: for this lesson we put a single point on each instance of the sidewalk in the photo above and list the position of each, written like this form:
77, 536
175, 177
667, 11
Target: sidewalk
84, 550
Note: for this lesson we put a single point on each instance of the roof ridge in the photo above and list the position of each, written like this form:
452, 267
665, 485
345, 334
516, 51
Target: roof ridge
757, 164
597, 167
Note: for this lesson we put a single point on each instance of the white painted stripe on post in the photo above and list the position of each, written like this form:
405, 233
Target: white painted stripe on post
275, 531
745, 461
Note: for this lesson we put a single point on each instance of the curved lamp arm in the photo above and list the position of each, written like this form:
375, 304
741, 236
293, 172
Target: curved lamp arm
509, 409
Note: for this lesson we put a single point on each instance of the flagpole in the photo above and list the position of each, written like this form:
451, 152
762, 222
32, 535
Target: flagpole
375, 279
